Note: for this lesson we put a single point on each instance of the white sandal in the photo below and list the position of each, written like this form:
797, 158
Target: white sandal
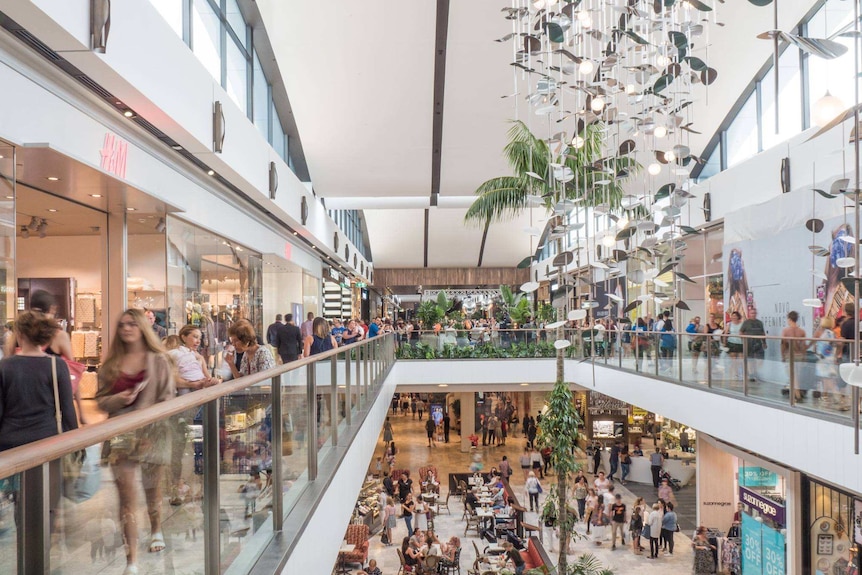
131, 570
157, 543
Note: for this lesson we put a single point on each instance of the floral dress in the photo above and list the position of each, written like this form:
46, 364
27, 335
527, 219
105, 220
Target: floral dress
261, 361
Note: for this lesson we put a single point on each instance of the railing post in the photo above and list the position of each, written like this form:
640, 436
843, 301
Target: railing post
212, 498
277, 454
792, 373
679, 350
348, 400
637, 351
34, 533
333, 402
656, 350
708, 342
311, 405
347, 378
745, 365
366, 365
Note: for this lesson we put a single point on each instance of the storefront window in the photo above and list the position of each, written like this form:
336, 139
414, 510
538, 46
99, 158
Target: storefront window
763, 519
835, 531
7, 236
206, 37
212, 282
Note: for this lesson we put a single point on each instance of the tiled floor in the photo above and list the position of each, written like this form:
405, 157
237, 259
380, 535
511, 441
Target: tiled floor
413, 452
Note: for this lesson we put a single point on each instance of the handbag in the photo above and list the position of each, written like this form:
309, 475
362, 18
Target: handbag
76, 371
81, 474
645, 532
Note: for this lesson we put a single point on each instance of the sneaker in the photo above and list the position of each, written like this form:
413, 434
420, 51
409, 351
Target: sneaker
613, 547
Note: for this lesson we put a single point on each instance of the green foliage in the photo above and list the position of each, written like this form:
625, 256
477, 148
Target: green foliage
503, 198
546, 313
418, 351
520, 350
586, 564
521, 312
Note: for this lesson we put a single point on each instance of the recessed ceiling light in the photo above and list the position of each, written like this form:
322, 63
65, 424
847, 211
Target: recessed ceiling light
10, 197
95, 195
52, 210
443, 385
53, 179
524, 384
131, 209
128, 114
296, 233
211, 173
1, 157
177, 147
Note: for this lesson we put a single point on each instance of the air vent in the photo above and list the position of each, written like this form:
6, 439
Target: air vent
37, 44
150, 128
92, 85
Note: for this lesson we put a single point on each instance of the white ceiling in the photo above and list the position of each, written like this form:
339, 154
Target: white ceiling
360, 79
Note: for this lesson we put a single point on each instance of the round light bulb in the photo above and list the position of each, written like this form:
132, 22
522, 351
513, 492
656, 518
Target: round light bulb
827, 108
631, 89
598, 104
660, 132
586, 67
661, 61
609, 241
583, 15
670, 156
587, 23
622, 222
654, 169
577, 142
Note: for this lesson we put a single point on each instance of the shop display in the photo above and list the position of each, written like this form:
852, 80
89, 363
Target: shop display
367, 509
835, 530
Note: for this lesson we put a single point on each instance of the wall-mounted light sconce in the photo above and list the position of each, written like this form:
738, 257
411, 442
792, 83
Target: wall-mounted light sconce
273, 180
219, 128
100, 25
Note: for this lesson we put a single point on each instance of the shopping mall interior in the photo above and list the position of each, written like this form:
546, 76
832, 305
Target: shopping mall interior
293, 280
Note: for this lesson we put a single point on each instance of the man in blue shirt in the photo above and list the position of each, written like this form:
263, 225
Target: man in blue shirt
374, 328
337, 330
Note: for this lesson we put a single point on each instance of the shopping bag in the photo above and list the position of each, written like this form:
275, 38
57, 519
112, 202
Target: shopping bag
82, 474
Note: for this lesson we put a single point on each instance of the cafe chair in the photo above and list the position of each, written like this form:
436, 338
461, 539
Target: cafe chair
473, 522
430, 565
451, 567
357, 535
444, 504
404, 568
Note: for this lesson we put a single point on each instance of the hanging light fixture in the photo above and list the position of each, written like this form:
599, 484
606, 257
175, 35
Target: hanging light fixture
654, 169
25, 233
578, 142
827, 108
660, 132
586, 67
34, 224
598, 104
43, 228
609, 241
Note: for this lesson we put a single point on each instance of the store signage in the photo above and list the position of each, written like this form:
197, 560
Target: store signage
757, 477
114, 153
361, 284
768, 508
772, 544
600, 404
752, 550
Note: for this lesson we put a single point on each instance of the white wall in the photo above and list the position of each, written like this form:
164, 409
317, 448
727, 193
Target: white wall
816, 447
61, 257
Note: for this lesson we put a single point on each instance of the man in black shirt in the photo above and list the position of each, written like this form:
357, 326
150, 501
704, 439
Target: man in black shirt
618, 521
615, 459
848, 334
288, 340
446, 423
756, 347
514, 556
388, 486
270, 330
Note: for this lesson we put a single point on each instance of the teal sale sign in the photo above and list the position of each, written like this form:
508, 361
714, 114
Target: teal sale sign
757, 477
763, 550
752, 550
772, 542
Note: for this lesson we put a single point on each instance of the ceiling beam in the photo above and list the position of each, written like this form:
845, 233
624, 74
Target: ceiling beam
450, 277
425, 239
439, 93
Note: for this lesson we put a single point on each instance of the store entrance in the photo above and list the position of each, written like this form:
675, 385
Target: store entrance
61, 248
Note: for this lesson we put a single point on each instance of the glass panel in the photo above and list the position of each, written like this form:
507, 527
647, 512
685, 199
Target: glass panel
172, 11
237, 75
295, 430
8, 486
742, 133
835, 76
236, 21
261, 99
245, 482
147, 281
277, 133
206, 37
790, 100
713, 164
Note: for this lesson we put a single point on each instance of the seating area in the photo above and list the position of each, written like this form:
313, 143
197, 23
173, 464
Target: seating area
535, 555
357, 535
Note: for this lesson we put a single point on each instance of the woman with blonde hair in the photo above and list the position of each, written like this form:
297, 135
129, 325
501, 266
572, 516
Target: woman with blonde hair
826, 368
137, 373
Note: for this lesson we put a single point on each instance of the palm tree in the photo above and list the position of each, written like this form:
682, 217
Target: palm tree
581, 174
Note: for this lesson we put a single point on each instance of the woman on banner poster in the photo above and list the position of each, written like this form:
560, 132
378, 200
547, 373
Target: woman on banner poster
739, 297
836, 293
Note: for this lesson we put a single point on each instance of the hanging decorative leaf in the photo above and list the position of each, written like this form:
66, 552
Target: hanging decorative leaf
825, 194
696, 63
635, 37
662, 83
532, 45
761, 2
627, 147
555, 32
664, 191
684, 277
689, 230
525, 263
700, 5
678, 39
626, 233
563, 259
682, 305
708, 76
814, 225
632, 306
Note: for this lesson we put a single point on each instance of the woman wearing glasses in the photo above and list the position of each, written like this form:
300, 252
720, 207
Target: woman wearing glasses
137, 373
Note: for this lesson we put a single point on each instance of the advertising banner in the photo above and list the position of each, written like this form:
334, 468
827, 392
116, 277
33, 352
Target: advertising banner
611, 297
768, 508
764, 274
858, 521
772, 544
752, 550
757, 477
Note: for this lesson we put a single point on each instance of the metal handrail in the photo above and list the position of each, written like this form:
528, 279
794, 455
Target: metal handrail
42, 451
